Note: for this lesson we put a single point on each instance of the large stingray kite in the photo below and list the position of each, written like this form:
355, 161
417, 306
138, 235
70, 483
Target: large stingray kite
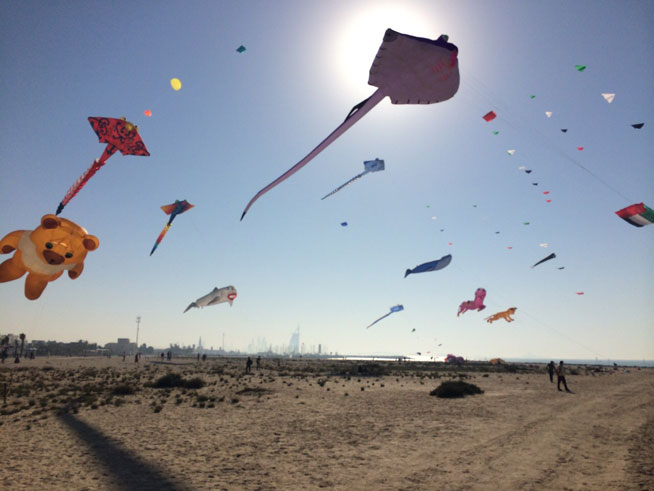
214, 297
118, 134
395, 308
407, 69
368, 166
174, 209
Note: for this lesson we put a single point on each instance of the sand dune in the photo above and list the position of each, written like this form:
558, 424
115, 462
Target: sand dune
70, 423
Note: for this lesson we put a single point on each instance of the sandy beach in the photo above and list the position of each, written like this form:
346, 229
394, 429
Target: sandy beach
74, 423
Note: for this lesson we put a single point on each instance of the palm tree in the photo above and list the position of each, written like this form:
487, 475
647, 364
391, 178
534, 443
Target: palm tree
22, 343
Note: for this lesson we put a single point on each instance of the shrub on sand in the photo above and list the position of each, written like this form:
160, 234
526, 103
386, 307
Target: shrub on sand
124, 389
172, 380
456, 388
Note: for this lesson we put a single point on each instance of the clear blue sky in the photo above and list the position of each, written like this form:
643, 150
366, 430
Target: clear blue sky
240, 120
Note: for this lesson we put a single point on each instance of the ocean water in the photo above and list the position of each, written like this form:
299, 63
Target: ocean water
570, 361
596, 361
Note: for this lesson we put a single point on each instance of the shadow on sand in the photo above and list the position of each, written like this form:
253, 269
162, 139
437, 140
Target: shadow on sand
128, 470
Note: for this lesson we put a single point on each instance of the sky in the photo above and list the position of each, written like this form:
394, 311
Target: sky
242, 119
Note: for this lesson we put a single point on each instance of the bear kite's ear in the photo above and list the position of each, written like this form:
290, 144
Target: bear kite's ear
50, 221
90, 242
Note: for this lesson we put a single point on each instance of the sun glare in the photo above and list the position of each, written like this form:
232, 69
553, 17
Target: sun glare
363, 32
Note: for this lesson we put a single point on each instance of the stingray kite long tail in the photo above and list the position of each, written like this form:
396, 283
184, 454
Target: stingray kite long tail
353, 116
343, 185
79, 184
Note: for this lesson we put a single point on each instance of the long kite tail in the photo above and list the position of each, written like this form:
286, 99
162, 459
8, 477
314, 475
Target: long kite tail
355, 114
160, 238
79, 184
343, 185
382, 317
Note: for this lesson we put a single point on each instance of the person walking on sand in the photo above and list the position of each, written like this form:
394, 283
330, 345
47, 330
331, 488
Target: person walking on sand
258, 362
550, 369
248, 365
560, 377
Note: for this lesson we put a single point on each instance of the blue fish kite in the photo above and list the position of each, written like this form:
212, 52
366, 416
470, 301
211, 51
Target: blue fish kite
396, 308
430, 266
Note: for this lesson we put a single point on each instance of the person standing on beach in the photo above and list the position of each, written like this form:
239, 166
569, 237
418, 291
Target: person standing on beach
560, 377
258, 362
248, 365
550, 369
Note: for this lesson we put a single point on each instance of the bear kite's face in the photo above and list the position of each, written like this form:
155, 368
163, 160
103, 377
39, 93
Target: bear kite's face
61, 242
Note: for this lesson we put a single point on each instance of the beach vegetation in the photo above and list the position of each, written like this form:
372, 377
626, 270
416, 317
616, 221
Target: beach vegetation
171, 380
455, 388
123, 389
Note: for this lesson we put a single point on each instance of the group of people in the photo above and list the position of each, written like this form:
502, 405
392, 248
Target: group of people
560, 374
248, 364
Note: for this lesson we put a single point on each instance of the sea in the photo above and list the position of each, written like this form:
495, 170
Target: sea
569, 361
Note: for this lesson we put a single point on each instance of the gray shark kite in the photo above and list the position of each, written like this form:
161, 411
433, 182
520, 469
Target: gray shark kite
216, 296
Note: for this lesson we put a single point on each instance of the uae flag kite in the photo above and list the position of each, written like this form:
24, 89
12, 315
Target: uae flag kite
638, 215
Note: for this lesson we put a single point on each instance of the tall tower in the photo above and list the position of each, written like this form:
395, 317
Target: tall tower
200, 349
294, 343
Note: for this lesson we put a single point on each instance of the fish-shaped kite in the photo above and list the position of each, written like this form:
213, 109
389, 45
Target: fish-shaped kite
430, 266
368, 166
551, 256
216, 296
396, 308
174, 209
476, 304
118, 134
407, 69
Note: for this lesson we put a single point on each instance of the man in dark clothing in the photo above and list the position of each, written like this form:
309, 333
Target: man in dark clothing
550, 369
560, 372
248, 365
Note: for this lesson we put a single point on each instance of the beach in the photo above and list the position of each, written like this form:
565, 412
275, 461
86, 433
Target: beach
101, 423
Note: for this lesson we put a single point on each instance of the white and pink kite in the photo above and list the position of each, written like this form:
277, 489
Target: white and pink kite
407, 69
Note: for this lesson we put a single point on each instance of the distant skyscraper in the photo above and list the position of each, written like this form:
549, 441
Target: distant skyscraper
294, 343
200, 349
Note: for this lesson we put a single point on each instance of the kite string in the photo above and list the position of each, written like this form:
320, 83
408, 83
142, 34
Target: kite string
522, 310
481, 90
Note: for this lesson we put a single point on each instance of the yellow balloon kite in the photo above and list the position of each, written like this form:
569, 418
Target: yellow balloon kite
175, 83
